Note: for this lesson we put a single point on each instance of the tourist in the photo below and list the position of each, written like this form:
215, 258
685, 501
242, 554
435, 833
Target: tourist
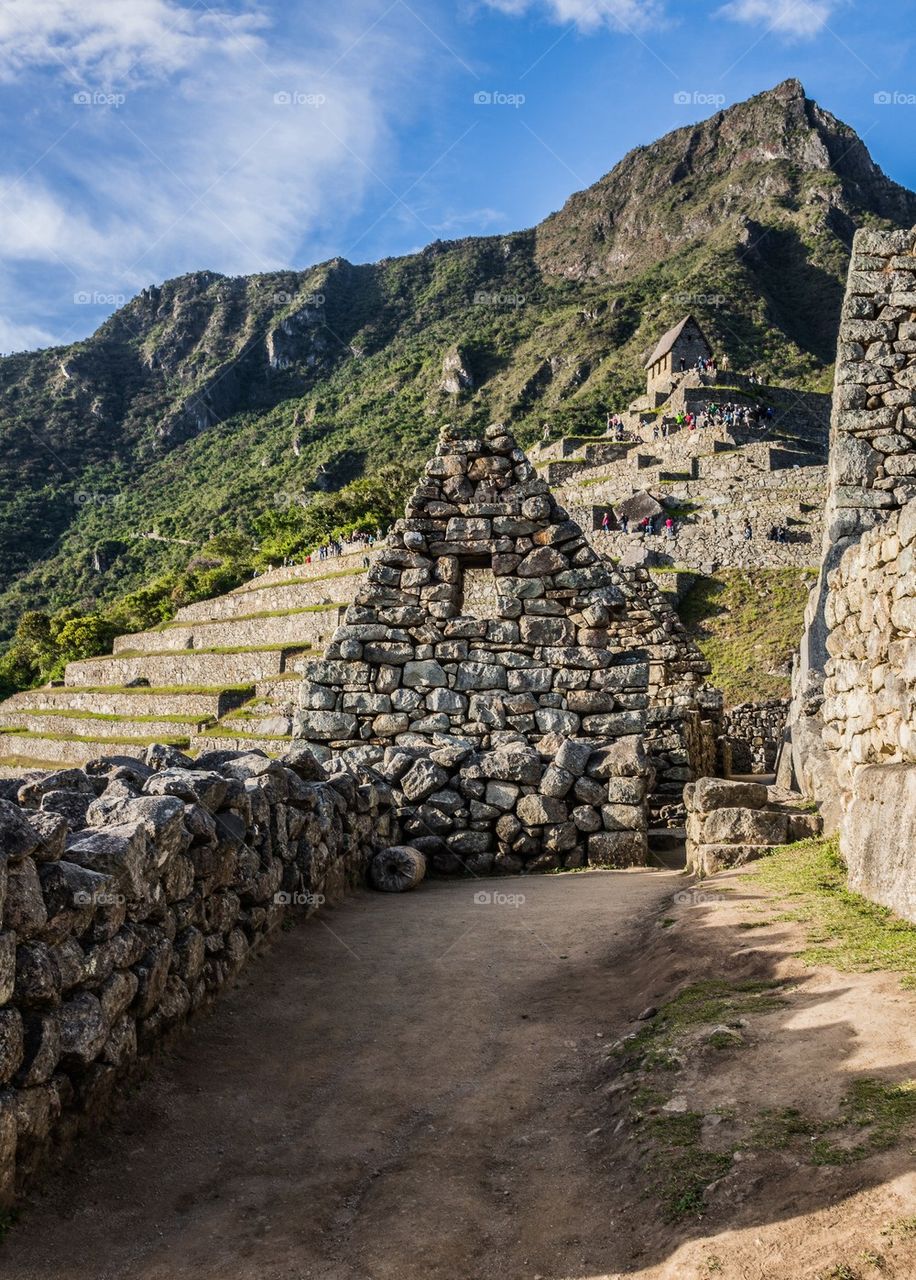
605, 523
748, 532
669, 528
624, 524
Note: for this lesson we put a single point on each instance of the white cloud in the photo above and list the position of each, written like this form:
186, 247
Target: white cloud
22, 337
107, 41
590, 15
227, 152
793, 18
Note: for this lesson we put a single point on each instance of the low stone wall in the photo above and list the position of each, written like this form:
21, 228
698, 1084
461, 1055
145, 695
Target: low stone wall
130, 893
730, 823
869, 709
565, 804
751, 736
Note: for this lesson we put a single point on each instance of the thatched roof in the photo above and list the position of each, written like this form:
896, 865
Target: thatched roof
670, 338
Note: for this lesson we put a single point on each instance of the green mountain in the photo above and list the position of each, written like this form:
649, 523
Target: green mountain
281, 407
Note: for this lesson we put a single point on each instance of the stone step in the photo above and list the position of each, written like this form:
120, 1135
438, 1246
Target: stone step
186, 667
36, 750
258, 596
85, 725
352, 560
202, 704
312, 626
279, 689
270, 745
263, 721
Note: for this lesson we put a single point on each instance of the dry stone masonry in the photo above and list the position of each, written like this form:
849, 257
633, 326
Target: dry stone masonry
130, 893
869, 709
524, 697
751, 736
731, 823
872, 468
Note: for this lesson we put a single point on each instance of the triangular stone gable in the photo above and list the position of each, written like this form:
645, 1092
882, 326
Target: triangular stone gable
488, 627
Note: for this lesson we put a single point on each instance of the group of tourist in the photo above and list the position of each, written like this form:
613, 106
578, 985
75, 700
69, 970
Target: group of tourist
778, 533
730, 416
649, 525
615, 427
340, 546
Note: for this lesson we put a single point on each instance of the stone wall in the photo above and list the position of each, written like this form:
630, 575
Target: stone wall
872, 468
869, 709
751, 736
130, 893
490, 658
731, 823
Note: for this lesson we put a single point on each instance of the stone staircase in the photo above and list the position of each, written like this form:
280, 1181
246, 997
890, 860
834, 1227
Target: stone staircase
223, 673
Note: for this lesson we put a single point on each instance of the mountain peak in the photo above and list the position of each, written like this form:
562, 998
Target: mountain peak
774, 158
790, 90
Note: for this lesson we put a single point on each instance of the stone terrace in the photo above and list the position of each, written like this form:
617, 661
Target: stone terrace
223, 673
713, 481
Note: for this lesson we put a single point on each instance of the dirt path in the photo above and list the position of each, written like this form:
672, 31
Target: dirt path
425, 1088
395, 1091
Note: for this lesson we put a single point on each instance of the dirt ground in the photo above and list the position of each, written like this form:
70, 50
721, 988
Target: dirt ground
421, 1086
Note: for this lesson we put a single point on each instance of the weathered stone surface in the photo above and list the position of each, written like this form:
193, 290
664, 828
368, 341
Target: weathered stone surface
617, 849
11, 1043
422, 779
25, 912
538, 811
17, 837
878, 836
745, 826
717, 793
82, 1029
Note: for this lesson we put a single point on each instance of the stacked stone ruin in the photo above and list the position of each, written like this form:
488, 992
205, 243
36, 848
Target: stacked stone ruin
532, 705
872, 468
869, 709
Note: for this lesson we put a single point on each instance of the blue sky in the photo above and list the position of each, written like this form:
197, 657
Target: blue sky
146, 138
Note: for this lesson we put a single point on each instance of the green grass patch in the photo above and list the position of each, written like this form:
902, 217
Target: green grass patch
68, 713
748, 623
709, 1002
105, 742
212, 690
845, 930
681, 1170
257, 585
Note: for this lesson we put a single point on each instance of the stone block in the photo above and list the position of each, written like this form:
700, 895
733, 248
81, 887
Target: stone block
617, 849
539, 811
